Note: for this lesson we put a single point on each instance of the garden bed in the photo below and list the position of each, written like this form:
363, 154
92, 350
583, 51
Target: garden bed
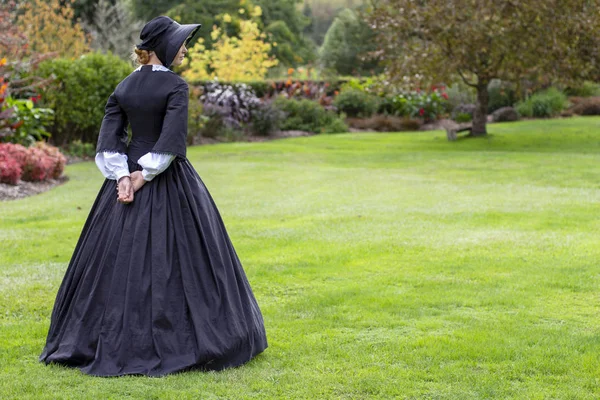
25, 189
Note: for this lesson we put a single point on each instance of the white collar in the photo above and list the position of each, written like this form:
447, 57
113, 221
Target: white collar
155, 67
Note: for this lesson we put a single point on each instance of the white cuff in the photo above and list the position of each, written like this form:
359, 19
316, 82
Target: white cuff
154, 163
121, 173
112, 165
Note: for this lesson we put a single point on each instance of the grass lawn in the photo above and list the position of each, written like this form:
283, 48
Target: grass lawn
386, 266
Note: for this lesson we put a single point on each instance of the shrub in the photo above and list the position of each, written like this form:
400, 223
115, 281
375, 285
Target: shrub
30, 122
385, 123
466, 112
266, 119
544, 104
459, 93
587, 106
505, 114
10, 169
35, 163
196, 117
356, 103
586, 89
463, 117
77, 148
234, 103
79, 93
420, 104
306, 115
39, 166
58, 159
501, 94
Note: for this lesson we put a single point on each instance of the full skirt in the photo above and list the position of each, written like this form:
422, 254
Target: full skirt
155, 286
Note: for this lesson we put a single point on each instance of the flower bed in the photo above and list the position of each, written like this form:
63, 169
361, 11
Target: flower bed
34, 164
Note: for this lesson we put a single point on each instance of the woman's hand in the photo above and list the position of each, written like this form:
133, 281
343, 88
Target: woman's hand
125, 190
137, 179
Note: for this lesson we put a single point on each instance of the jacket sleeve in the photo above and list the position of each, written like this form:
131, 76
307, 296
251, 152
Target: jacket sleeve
173, 134
113, 131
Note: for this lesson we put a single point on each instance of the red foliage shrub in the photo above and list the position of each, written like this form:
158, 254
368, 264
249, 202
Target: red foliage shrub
18, 152
39, 166
36, 163
58, 158
10, 170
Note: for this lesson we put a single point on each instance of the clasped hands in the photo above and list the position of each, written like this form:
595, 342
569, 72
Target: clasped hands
128, 185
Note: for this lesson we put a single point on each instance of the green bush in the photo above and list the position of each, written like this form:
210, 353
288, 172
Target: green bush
196, 118
544, 104
30, 122
460, 93
79, 93
463, 117
309, 116
356, 103
265, 119
501, 94
586, 89
81, 150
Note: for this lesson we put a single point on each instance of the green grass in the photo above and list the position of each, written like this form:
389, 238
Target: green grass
386, 266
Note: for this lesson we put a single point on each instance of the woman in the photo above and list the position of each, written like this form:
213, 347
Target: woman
154, 285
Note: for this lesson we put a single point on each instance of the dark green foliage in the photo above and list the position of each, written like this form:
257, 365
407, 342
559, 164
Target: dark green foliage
205, 13
148, 9
502, 94
309, 116
265, 120
356, 103
585, 89
30, 122
463, 117
79, 93
544, 104
347, 45
291, 49
81, 150
284, 23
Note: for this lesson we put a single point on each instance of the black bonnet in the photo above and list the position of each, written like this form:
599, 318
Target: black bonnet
165, 36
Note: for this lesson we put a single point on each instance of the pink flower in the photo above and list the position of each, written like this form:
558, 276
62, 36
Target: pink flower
422, 112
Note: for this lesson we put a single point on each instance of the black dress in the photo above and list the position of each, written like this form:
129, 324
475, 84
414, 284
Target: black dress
154, 286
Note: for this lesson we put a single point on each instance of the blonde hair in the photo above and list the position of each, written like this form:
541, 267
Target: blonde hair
140, 56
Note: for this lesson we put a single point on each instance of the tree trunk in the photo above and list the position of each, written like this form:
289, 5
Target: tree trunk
480, 115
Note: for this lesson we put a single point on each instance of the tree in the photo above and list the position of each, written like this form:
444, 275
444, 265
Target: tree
243, 58
209, 14
425, 42
347, 45
49, 27
284, 25
113, 28
148, 9
280, 20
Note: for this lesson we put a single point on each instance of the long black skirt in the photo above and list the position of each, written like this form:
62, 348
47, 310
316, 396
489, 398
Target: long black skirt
155, 286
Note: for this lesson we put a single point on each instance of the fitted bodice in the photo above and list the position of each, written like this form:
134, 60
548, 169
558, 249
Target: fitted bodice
154, 103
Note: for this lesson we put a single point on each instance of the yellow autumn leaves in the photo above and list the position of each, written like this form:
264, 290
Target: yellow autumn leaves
232, 58
49, 28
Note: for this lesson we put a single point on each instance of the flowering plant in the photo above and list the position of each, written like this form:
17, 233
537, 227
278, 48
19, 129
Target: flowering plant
420, 104
28, 121
233, 103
